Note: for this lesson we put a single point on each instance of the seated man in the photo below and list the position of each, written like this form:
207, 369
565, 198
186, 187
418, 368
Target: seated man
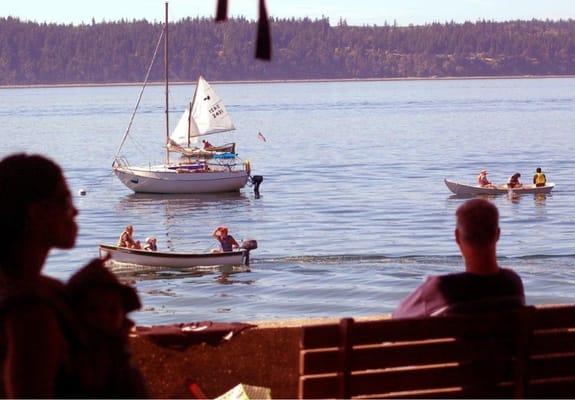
484, 286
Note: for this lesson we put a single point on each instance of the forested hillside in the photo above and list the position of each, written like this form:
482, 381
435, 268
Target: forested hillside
40, 53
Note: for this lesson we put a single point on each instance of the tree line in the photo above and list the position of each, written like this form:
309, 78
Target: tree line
108, 52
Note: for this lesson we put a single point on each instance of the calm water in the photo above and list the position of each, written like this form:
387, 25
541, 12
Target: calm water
353, 213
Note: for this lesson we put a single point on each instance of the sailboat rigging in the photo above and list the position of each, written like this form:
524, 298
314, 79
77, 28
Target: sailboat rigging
210, 169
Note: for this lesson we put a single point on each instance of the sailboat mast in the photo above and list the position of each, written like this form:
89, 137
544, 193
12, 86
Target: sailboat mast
190, 122
166, 83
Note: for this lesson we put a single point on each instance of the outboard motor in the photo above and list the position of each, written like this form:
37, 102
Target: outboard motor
257, 181
248, 245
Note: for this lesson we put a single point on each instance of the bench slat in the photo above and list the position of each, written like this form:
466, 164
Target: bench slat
368, 332
554, 317
502, 392
477, 378
480, 376
319, 336
552, 389
549, 342
319, 387
418, 353
557, 366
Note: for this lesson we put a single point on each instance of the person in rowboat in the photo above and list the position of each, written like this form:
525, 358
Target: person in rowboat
539, 179
514, 182
227, 241
127, 240
151, 244
207, 145
482, 179
484, 286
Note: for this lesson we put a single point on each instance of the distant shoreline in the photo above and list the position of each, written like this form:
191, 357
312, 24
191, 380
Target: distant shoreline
160, 83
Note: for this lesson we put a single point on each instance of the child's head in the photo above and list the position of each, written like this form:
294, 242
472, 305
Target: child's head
101, 301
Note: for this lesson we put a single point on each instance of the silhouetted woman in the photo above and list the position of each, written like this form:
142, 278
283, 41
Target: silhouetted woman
44, 351
37, 215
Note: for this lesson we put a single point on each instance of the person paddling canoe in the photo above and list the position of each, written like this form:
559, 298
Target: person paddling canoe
482, 179
539, 179
514, 182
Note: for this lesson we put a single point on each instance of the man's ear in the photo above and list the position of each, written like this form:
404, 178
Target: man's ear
456, 232
498, 233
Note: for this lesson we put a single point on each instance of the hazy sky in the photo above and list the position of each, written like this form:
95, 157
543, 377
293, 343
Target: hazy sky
356, 12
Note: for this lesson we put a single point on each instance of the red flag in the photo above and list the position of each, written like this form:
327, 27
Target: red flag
261, 137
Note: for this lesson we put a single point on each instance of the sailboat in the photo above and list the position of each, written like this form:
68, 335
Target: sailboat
194, 169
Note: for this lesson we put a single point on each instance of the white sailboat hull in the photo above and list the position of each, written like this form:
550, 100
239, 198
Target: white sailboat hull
172, 260
163, 180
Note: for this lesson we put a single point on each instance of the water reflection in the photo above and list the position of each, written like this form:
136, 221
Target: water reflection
513, 197
540, 199
227, 272
181, 204
129, 272
470, 196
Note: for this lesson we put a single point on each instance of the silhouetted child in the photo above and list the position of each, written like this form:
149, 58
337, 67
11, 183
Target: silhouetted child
101, 304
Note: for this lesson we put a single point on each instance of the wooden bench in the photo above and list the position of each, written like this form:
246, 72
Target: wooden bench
525, 353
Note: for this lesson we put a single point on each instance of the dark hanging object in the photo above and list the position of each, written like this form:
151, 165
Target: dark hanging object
263, 41
222, 11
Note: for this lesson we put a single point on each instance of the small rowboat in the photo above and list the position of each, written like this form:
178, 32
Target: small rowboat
177, 260
462, 189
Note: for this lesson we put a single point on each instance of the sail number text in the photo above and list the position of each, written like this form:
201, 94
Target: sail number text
216, 110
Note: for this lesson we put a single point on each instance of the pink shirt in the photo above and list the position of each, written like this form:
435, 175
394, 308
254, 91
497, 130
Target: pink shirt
464, 290
482, 180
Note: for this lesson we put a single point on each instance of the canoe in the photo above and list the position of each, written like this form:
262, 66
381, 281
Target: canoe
462, 189
173, 259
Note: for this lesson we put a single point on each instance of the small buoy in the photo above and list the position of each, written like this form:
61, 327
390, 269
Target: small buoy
82, 192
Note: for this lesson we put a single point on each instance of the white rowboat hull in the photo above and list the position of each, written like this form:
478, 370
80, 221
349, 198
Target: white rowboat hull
173, 260
462, 189
163, 180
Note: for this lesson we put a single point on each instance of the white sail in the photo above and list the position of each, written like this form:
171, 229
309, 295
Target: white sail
209, 112
209, 115
184, 134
